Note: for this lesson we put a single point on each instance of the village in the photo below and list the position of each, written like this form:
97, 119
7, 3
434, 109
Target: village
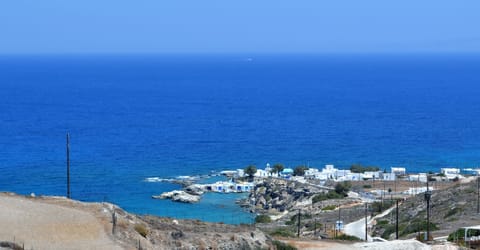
239, 181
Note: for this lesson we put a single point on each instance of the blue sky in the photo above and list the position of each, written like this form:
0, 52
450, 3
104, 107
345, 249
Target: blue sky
246, 26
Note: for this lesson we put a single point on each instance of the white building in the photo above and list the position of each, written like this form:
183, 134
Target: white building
263, 173
415, 191
329, 171
421, 177
341, 173
389, 177
451, 173
372, 175
398, 171
315, 174
351, 177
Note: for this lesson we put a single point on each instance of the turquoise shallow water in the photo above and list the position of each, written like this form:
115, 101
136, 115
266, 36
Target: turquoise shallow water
133, 117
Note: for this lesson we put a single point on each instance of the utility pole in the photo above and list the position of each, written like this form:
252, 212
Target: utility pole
68, 166
478, 194
396, 223
383, 194
428, 195
366, 223
298, 225
114, 222
337, 225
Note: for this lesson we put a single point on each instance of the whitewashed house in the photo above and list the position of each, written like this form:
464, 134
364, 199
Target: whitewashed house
451, 173
389, 177
398, 171
421, 177
418, 190
351, 177
314, 173
372, 174
342, 173
263, 173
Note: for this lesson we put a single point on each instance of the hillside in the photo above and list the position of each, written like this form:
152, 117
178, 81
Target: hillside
450, 209
60, 223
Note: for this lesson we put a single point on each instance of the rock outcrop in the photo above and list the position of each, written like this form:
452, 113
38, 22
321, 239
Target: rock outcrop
281, 195
179, 196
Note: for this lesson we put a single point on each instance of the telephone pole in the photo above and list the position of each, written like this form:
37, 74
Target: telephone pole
396, 223
428, 195
68, 166
478, 194
298, 225
366, 223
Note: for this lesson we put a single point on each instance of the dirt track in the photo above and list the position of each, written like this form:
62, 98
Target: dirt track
40, 225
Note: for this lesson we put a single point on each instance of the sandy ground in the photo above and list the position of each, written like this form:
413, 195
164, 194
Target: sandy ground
390, 245
39, 225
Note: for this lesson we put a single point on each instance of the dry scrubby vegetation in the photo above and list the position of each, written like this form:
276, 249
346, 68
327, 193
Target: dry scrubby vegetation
450, 209
141, 229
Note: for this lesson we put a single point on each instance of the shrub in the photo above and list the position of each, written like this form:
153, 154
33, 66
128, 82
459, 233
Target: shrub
357, 168
367, 186
300, 170
327, 196
329, 207
460, 234
377, 207
389, 229
250, 171
343, 188
383, 222
293, 220
142, 230
347, 237
418, 226
263, 219
452, 212
312, 225
283, 232
282, 246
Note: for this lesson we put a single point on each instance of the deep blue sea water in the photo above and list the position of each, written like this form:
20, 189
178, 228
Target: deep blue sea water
132, 117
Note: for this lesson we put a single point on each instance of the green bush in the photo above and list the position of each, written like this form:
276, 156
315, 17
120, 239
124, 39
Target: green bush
327, 196
263, 219
357, 168
283, 232
460, 234
347, 237
300, 170
418, 226
383, 222
294, 219
377, 206
329, 207
367, 186
282, 246
343, 188
389, 229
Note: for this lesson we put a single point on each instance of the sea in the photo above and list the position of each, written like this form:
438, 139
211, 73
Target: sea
131, 117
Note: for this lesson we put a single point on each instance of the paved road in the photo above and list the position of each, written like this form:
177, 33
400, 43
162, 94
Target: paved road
357, 228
